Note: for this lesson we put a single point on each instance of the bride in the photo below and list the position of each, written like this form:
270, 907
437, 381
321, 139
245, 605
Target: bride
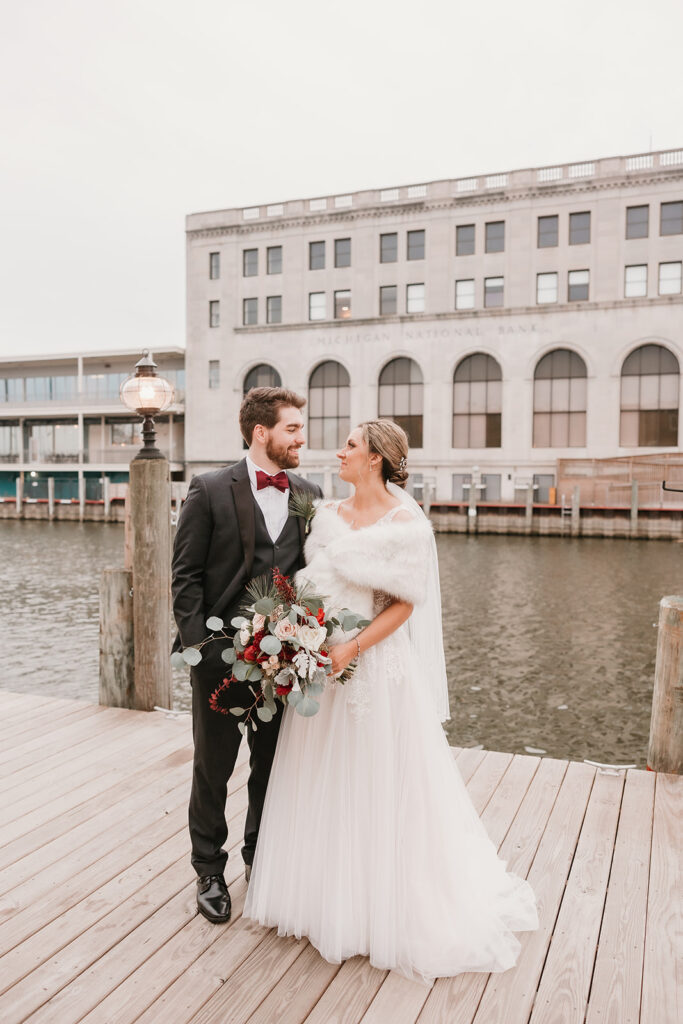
369, 843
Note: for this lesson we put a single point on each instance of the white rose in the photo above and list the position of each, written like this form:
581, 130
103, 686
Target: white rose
259, 622
273, 661
311, 636
285, 630
245, 635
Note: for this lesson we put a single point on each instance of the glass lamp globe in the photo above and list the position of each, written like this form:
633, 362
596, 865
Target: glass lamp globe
146, 393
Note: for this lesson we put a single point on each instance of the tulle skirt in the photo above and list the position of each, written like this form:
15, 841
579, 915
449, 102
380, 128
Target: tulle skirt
369, 843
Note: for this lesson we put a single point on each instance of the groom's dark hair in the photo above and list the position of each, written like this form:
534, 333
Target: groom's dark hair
262, 405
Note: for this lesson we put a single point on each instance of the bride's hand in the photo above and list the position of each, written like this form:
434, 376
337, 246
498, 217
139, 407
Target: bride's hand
342, 655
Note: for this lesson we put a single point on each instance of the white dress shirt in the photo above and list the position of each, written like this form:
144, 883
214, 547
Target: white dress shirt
273, 503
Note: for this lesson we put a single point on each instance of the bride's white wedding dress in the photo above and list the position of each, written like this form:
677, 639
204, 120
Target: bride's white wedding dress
369, 843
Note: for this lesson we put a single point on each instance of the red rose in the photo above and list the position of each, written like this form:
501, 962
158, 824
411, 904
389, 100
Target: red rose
320, 616
258, 637
251, 653
282, 690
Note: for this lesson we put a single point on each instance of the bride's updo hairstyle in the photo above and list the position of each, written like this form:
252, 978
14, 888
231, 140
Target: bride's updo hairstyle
386, 438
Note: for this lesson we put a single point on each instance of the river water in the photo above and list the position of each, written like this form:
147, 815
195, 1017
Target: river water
550, 642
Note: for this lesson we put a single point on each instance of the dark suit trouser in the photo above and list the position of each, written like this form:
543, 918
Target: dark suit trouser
216, 742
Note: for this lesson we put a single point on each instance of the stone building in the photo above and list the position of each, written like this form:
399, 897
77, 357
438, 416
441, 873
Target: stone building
507, 320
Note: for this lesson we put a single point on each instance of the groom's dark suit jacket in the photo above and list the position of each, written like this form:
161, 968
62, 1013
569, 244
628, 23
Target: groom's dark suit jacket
214, 548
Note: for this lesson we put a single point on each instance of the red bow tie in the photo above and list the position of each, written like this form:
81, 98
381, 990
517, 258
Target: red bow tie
280, 480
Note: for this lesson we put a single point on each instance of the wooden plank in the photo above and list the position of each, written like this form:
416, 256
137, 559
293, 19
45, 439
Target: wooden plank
250, 984
398, 1000
661, 999
616, 986
46, 725
349, 994
43, 790
94, 787
563, 991
183, 974
149, 774
296, 993
515, 820
141, 961
468, 761
13, 714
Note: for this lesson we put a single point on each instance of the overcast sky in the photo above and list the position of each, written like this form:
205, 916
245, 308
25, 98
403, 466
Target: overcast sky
120, 118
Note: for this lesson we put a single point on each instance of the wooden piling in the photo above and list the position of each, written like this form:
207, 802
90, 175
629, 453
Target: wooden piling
576, 511
150, 504
665, 751
116, 638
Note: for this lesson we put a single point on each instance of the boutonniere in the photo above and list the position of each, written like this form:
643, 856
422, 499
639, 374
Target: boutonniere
304, 505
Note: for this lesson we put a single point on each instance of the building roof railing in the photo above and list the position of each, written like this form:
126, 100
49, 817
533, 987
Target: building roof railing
568, 173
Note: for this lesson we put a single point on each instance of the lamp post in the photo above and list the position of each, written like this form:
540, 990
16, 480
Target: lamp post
149, 495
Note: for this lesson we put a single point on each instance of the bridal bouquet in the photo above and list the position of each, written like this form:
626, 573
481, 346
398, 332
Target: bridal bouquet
279, 649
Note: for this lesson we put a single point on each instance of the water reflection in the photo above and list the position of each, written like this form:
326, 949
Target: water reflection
549, 642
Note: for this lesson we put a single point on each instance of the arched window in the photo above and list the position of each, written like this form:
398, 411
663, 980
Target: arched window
261, 376
649, 398
560, 400
400, 397
477, 396
329, 406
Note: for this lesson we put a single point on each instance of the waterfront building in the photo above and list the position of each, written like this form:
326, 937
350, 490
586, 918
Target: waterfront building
61, 419
507, 321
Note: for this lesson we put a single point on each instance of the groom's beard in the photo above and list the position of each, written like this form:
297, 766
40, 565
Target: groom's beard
284, 456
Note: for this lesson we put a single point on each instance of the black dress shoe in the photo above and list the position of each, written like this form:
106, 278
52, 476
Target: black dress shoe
213, 898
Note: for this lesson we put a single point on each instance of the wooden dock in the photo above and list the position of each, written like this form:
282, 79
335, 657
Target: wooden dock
98, 922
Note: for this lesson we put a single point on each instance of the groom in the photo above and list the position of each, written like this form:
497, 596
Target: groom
235, 525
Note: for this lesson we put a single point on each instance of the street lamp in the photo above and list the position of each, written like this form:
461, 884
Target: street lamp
147, 394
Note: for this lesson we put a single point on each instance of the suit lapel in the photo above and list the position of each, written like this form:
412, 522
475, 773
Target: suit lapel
244, 505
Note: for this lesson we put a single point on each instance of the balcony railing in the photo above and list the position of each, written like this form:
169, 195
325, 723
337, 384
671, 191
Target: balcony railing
97, 456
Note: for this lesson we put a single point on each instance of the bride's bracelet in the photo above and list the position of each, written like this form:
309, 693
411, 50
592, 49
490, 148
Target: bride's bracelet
358, 646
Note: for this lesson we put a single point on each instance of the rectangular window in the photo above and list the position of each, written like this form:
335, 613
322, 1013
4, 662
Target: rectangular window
493, 292
548, 231
342, 252
274, 309
637, 221
464, 240
316, 255
495, 236
124, 433
274, 259
249, 262
214, 313
671, 219
579, 228
214, 265
388, 248
249, 311
416, 245
464, 294
546, 288
316, 306
387, 300
578, 286
670, 278
415, 298
214, 373
342, 305
635, 281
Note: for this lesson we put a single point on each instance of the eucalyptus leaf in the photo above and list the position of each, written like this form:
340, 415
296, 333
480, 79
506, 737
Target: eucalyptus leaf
239, 621
177, 660
242, 728
295, 697
228, 655
213, 623
191, 656
253, 725
264, 606
314, 689
270, 645
255, 672
299, 610
363, 623
240, 669
307, 707
293, 617
265, 714
331, 626
237, 711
